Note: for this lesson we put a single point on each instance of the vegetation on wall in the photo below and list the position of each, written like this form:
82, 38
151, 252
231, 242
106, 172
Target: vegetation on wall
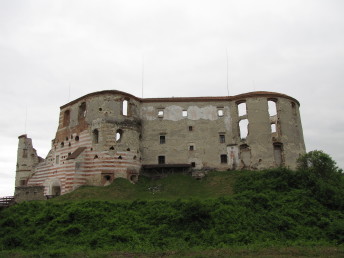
267, 208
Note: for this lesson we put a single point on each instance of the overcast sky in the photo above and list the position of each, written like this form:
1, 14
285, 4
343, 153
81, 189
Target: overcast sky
52, 52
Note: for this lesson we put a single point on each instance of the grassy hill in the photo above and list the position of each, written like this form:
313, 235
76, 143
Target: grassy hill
175, 186
224, 214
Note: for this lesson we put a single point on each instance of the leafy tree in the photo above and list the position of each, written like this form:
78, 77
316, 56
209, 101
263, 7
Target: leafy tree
320, 163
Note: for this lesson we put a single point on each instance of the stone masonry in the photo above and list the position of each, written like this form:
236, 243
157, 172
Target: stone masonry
109, 134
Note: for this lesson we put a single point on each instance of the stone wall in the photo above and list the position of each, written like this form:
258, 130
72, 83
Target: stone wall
29, 193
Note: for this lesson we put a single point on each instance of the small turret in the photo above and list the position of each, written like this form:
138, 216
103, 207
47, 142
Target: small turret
27, 159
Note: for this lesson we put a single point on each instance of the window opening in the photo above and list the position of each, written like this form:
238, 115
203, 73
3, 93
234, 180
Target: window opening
242, 109
193, 164
222, 138
24, 153
95, 136
76, 138
223, 158
96, 156
119, 134
66, 118
161, 159
125, 107
62, 144
111, 148
191, 147
160, 113
278, 152
185, 113
57, 160
243, 125
162, 139
190, 128
128, 149
119, 157
273, 128
272, 107
82, 110
220, 112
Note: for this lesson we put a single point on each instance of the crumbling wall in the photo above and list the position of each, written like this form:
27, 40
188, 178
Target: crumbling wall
110, 134
29, 193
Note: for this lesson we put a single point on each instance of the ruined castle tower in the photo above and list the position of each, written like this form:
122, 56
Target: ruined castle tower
110, 134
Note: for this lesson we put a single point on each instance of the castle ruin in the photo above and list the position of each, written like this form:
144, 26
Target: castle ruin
110, 134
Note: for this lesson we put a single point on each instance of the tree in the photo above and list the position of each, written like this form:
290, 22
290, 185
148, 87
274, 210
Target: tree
318, 162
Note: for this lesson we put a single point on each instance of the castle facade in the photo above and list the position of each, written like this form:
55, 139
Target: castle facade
109, 134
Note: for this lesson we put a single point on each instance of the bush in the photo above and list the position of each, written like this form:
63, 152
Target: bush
319, 163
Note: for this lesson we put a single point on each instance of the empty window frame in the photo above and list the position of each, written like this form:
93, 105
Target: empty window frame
160, 113
82, 110
161, 159
278, 153
190, 128
25, 151
272, 107
185, 113
125, 106
193, 164
223, 159
220, 112
243, 127
95, 136
191, 147
222, 138
66, 118
162, 139
242, 111
119, 134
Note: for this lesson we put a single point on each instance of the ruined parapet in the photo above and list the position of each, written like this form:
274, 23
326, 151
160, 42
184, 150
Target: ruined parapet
27, 160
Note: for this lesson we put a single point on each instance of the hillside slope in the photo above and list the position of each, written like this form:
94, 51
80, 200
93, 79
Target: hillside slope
272, 208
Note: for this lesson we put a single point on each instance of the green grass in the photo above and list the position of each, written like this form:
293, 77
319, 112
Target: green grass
175, 186
278, 212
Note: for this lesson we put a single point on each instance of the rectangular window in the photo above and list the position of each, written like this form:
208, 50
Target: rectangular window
193, 164
185, 113
190, 128
162, 139
161, 159
222, 138
24, 153
191, 147
125, 108
160, 113
57, 160
224, 158
220, 112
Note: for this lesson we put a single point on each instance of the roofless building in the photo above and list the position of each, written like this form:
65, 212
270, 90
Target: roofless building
109, 134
